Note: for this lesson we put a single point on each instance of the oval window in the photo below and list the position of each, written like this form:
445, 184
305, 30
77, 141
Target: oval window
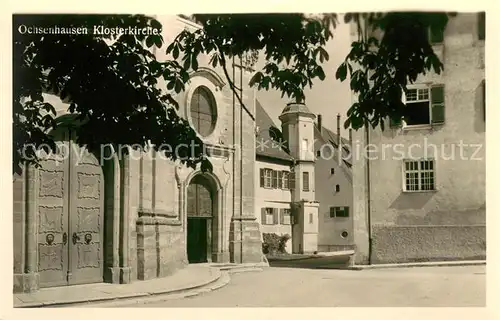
203, 111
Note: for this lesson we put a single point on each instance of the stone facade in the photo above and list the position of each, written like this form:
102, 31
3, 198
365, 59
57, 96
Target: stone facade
393, 224
143, 199
330, 182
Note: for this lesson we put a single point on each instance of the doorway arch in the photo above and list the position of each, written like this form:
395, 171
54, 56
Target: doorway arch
201, 218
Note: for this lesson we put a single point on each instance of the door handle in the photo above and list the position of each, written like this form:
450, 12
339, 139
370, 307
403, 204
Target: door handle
75, 238
65, 238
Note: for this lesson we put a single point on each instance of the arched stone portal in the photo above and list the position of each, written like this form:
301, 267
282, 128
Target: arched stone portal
202, 219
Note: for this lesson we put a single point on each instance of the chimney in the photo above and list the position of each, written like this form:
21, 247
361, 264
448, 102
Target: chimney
339, 142
320, 123
350, 136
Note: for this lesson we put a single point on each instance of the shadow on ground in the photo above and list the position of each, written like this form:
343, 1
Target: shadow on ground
340, 262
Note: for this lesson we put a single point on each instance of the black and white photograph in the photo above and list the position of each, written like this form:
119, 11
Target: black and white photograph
269, 160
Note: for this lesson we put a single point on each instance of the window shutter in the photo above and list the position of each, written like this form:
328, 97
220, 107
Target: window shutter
275, 179
292, 180
280, 180
332, 212
262, 178
395, 122
263, 214
481, 25
346, 211
437, 104
282, 216
275, 216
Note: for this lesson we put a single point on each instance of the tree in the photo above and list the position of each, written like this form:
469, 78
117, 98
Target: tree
111, 80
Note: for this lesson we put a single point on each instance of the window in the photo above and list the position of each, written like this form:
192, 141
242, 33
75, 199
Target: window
304, 144
425, 105
276, 179
305, 181
269, 216
286, 216
286, 179
318, 154
339, 212
481, 25
311, 218
337, 188
203, 111
266, 178
419, 175
332, 171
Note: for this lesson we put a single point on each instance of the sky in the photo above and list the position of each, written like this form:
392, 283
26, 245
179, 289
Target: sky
328, 97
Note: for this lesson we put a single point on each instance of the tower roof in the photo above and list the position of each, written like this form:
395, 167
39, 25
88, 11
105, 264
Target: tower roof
297, 108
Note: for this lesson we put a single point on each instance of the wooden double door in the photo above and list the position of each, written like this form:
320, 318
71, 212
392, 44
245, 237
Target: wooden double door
200, 206
70, 207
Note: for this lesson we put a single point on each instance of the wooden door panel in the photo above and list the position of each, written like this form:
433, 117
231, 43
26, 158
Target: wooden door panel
52, 212
86, 218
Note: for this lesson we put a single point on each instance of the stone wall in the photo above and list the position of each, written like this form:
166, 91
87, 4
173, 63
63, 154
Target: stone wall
447, 223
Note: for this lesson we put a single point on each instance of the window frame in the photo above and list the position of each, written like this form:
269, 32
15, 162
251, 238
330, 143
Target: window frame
428, 86
285, 182
429, 108
268, 178
335, 209
214, 112
304, 174
419, 174
269, 213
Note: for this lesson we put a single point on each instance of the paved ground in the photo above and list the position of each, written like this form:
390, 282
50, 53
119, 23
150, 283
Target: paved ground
296, 287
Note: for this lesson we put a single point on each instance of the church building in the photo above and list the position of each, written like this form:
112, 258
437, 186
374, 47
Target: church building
83, 218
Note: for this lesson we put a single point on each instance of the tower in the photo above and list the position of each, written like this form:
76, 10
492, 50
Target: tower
297, 124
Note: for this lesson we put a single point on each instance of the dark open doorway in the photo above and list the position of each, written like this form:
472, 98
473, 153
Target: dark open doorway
200, 198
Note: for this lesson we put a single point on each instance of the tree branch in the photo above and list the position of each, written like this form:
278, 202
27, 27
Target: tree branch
233, 87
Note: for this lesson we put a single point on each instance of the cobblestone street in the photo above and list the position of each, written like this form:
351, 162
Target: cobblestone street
294, 287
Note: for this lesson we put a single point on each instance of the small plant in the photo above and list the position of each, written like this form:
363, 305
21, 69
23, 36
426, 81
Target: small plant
274, 243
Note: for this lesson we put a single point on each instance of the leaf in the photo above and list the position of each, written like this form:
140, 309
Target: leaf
149, 41
320, 73
341, 73
194, 63
323, 54
347, 17
187, 62
170, 85
255, 79
158, 41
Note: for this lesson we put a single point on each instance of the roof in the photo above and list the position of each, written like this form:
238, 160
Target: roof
268, 136
296, 107
328, 136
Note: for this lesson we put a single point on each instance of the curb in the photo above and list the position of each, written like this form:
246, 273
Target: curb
215, 285
418, 264
124, 297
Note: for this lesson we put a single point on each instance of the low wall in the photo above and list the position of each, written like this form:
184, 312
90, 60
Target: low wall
399, 244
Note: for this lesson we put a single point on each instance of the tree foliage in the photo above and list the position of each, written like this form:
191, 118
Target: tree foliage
391, 51
112, 81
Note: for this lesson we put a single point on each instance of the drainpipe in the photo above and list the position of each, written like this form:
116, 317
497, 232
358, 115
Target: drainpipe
241, 159
234, 142
339, 142
368, 194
